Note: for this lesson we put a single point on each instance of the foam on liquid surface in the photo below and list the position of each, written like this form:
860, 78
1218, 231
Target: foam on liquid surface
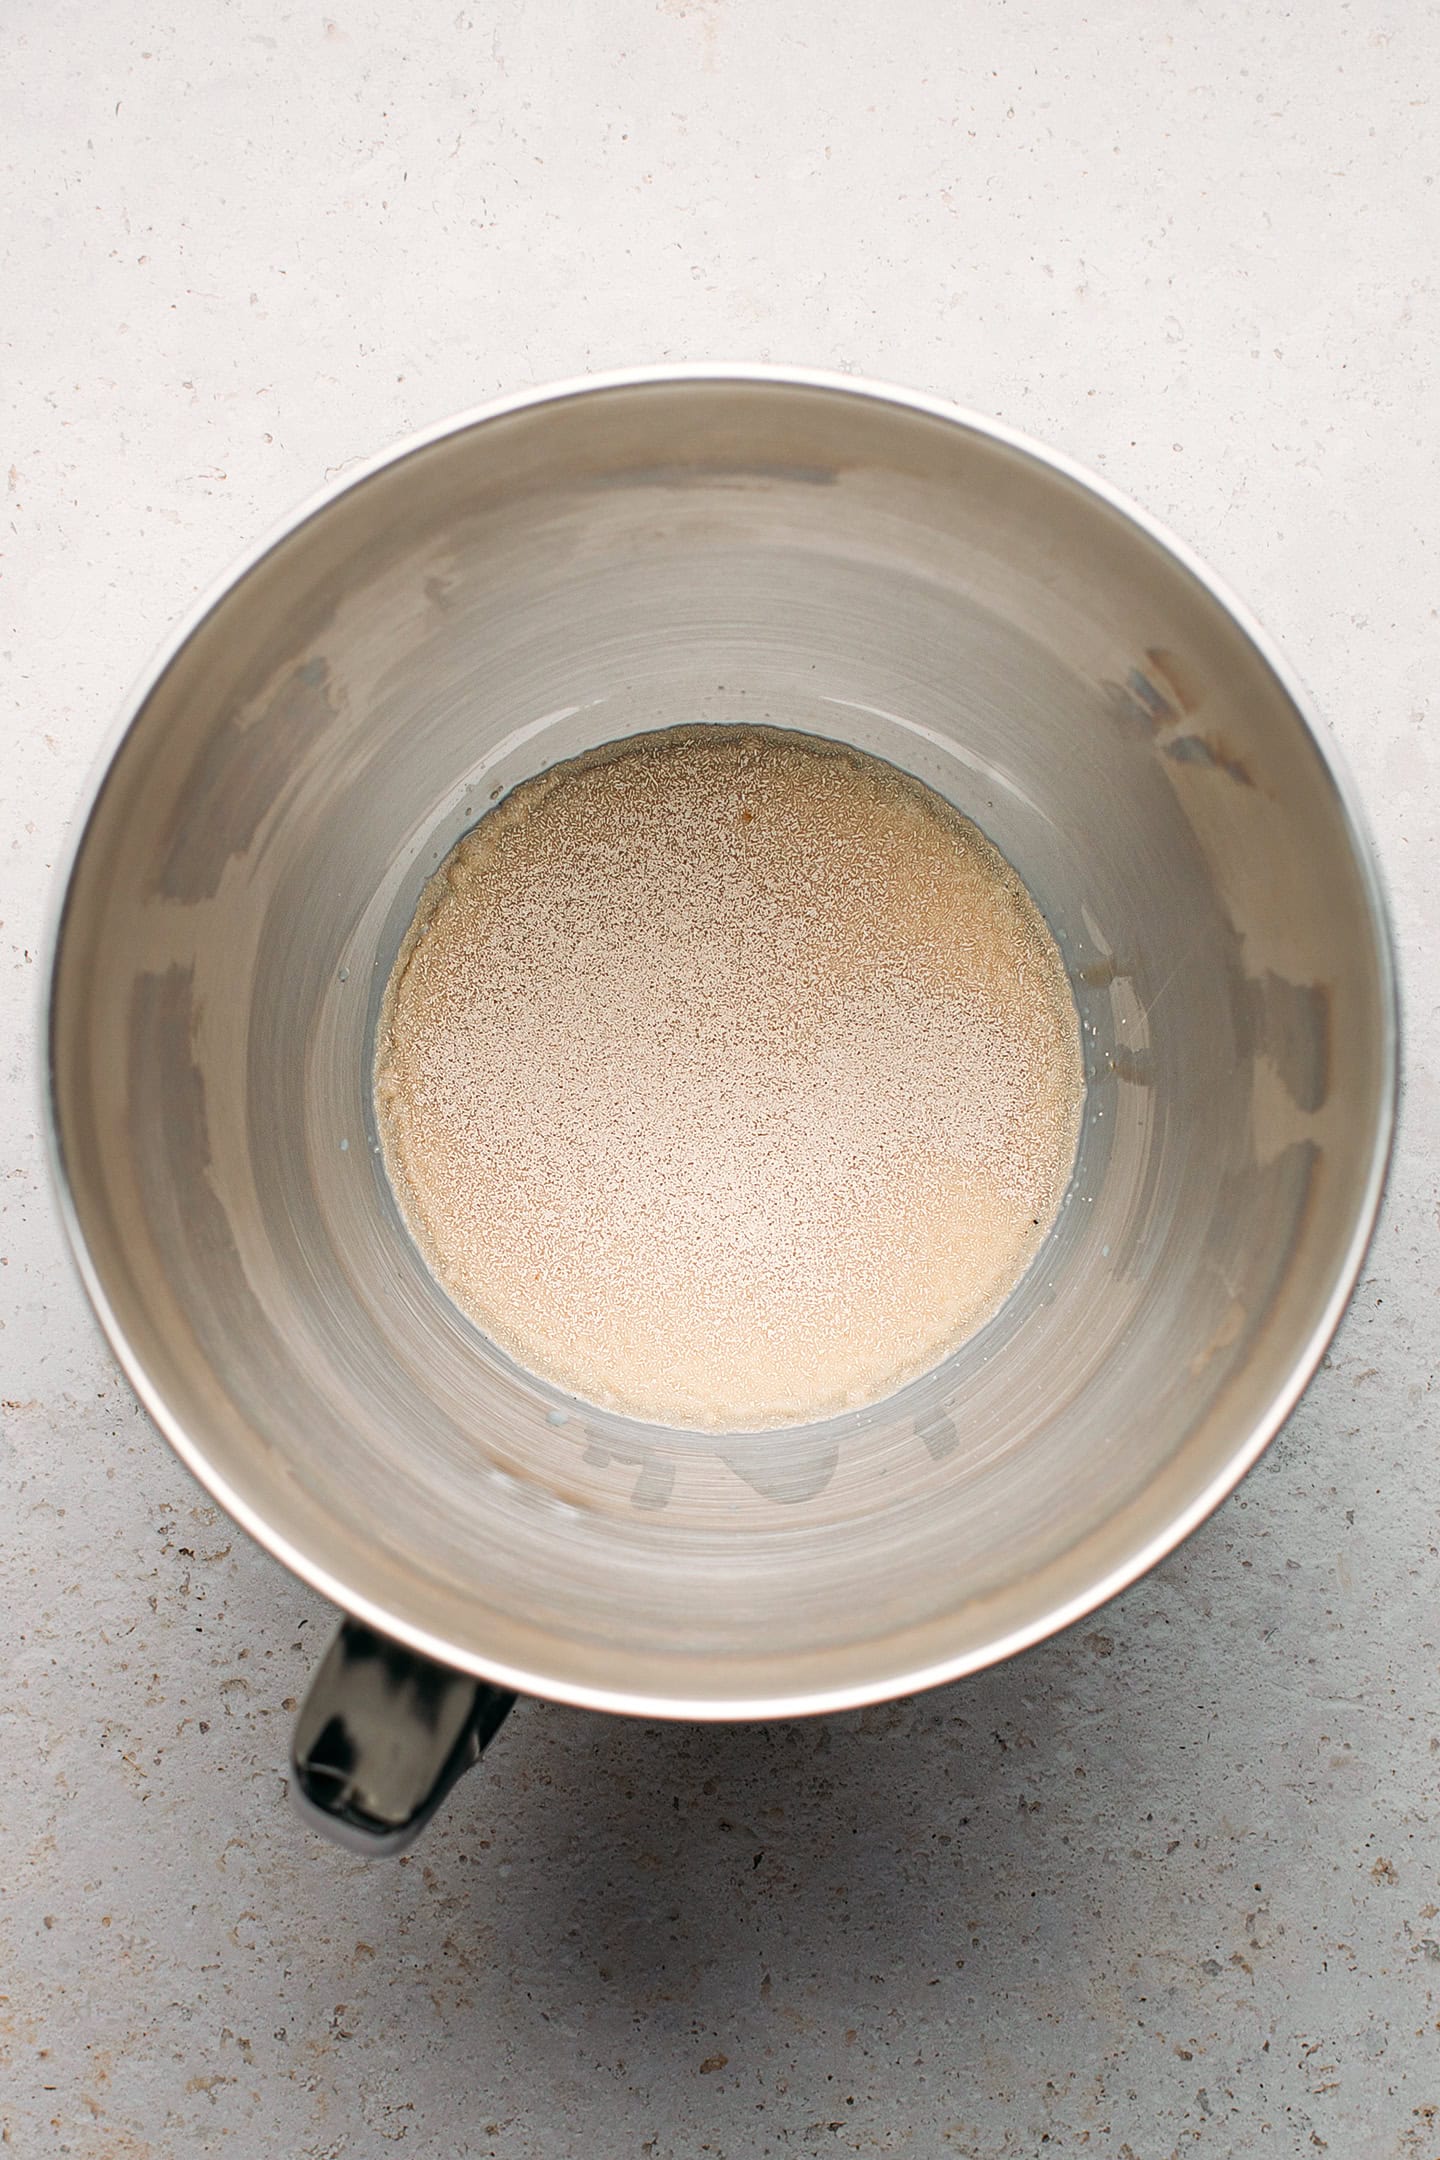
728, 1077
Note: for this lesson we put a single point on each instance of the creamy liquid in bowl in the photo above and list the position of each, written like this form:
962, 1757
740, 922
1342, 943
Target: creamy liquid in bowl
728, 1077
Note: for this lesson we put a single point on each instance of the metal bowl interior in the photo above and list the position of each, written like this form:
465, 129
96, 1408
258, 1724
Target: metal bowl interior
717, 545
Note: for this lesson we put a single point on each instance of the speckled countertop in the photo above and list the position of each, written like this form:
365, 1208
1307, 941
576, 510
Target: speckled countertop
1166, 1886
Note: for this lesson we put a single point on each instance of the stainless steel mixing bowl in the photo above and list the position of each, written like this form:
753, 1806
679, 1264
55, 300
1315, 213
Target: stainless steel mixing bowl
722, 544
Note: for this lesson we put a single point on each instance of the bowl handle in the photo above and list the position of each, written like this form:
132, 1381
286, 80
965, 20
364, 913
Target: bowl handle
381, 1737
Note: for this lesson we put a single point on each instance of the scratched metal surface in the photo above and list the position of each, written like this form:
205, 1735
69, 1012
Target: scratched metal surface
546, 579
1167, 1883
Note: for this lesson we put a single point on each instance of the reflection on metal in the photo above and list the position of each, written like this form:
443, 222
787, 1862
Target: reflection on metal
382, 1736
509, 591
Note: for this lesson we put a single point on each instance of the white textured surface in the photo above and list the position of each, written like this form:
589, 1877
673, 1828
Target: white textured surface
1168, 1885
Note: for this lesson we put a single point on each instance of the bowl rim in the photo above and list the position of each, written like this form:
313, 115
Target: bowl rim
904, 1680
